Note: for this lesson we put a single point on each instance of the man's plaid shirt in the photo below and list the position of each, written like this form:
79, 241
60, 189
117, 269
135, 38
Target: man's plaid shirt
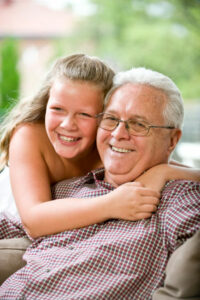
115, 259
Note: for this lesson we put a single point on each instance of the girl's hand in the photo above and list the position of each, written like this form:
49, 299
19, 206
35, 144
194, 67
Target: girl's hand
131, 201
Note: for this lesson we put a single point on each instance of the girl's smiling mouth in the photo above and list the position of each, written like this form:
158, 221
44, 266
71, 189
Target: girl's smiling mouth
69, 139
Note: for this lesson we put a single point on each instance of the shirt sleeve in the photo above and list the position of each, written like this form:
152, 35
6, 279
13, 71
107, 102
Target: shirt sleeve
182, 218
11, 227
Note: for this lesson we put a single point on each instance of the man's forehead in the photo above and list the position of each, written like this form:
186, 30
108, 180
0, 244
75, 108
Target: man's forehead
138, 89
146, 94
141, 100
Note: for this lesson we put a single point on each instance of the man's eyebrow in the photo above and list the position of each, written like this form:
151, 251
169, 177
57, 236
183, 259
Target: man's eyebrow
111, 112
137, 117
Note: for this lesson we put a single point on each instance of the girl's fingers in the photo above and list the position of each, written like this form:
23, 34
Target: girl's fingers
148, 208
141, 215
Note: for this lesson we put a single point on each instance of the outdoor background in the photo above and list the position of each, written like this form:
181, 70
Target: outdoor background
162, 35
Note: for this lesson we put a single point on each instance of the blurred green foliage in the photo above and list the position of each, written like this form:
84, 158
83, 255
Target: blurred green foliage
9, 74
162, 35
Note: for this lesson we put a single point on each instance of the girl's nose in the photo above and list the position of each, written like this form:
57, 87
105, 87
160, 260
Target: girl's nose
69, 122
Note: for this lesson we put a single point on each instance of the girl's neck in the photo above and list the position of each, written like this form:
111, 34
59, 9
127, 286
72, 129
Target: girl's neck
84, 164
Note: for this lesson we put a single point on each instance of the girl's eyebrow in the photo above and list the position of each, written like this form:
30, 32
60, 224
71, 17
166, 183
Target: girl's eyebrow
55, 103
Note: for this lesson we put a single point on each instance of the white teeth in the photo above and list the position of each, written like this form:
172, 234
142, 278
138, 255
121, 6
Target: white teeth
121, 150
64, 138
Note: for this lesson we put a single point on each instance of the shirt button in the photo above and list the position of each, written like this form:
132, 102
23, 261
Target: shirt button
71, 247
48, 270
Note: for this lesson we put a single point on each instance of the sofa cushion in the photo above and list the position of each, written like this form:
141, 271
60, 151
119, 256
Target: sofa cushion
11, 252
182, 273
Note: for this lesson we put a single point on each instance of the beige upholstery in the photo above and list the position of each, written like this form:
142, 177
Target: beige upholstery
11, 252
182, 273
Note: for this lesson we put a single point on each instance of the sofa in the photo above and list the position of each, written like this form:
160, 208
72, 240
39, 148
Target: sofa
182, 280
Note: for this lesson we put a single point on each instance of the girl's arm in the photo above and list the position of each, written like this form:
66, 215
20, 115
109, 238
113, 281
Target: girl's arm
156, 177
31, 179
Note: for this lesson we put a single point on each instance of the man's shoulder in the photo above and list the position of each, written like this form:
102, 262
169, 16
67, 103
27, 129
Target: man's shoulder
181, 183
177, 187
75, 183
72, 181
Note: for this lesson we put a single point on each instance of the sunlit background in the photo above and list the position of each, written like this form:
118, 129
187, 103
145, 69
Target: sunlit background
162, 35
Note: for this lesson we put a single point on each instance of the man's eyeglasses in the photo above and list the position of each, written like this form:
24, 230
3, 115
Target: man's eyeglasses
134, 126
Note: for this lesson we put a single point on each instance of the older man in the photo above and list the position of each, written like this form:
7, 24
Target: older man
118, 259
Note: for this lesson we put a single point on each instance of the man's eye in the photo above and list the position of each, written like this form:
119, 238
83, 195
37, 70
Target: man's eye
109, 118
137, 124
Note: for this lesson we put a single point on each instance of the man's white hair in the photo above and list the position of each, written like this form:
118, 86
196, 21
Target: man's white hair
174, 110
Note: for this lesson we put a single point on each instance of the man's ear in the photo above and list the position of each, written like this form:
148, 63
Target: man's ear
174, 138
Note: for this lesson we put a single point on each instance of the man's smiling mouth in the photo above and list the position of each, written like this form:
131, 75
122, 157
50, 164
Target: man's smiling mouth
120, 150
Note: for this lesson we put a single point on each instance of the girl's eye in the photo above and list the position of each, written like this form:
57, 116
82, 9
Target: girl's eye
56, 108
84, 115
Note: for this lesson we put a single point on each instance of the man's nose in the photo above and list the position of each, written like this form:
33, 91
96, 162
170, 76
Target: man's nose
121, 131
69, 122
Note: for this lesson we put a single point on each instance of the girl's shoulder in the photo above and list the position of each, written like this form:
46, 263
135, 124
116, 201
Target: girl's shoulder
31, 146
30, 134
29, 138
30, 129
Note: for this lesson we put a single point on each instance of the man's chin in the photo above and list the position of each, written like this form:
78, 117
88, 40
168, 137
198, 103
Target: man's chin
117, 178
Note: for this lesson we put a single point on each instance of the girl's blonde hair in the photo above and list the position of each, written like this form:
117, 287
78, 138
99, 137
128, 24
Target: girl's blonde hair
75, 67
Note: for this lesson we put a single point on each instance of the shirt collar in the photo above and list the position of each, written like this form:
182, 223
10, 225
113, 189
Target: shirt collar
97, 177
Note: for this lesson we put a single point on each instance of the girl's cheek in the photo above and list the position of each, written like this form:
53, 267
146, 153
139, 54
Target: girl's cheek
52, 121
90, 128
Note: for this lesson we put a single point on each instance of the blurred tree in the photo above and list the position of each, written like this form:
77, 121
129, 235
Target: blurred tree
187, 13
9, 74
160, 34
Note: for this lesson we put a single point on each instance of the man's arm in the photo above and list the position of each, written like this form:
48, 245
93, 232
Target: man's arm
182, 218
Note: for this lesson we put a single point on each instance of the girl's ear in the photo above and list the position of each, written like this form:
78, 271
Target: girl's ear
175, 137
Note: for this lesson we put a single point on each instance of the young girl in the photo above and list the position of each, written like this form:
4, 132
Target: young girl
51, 137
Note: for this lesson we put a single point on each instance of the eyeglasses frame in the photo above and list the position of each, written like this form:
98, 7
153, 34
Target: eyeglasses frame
148, 126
